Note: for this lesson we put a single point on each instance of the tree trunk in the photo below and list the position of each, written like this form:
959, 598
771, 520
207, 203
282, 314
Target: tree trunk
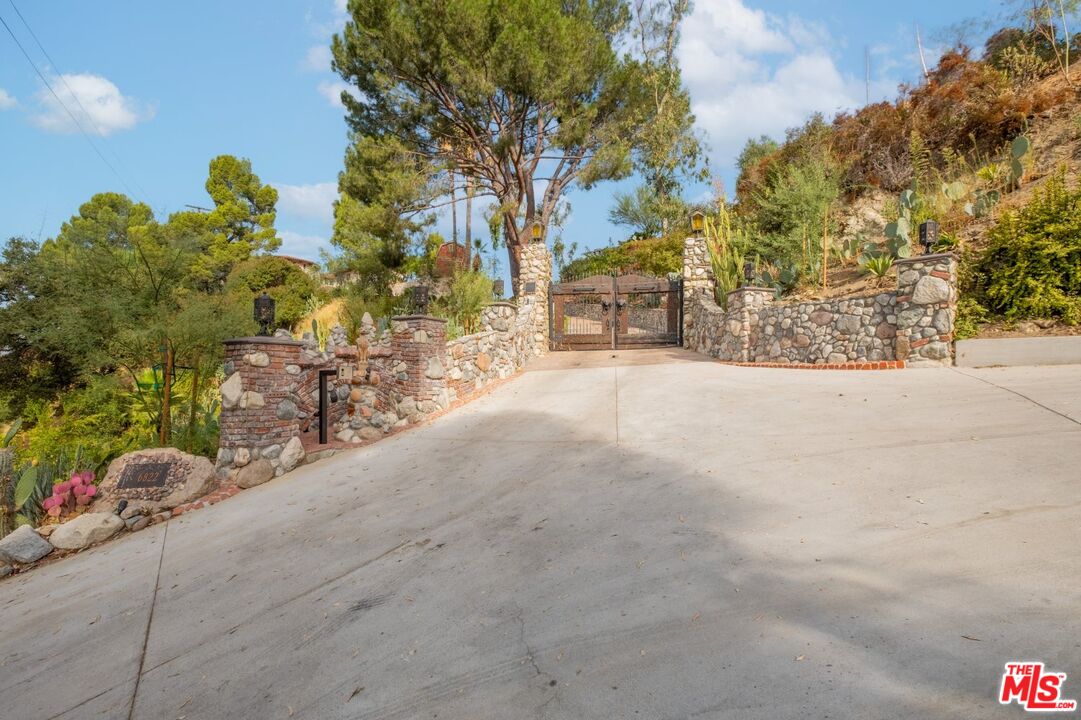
194, 404
165, 430
453, 211
469, 221
512, 237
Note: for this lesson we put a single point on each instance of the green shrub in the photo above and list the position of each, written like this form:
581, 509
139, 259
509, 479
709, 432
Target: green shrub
651, 256
467, 295
1032, 265
290, 286
970, 315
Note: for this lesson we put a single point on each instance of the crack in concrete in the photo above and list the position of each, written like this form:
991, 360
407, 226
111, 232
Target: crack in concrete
531, 657
1018, 394
149, 622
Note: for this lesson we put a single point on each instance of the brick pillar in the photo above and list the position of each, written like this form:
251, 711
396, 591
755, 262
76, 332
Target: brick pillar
926, 309
743, 305
418, 346
531, 293
258, 416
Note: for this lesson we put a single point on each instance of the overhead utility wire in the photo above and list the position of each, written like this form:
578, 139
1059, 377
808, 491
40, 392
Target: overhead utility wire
66, 109
86, 113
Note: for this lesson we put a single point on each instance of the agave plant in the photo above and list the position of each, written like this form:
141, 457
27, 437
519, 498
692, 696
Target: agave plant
878, 265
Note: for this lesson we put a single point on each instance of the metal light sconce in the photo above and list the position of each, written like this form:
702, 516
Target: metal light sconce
748, 272
421, 296
698, 223
538, 231
497, 288
264, 313
928, 235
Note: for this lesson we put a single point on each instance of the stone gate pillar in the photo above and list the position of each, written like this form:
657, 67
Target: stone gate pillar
744, 305
531, 293
258, 418
926, 309
697, 286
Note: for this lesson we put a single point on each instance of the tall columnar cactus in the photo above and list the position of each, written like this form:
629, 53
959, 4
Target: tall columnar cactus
7, 491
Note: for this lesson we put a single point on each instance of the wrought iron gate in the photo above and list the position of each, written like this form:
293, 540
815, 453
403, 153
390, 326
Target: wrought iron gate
607, 312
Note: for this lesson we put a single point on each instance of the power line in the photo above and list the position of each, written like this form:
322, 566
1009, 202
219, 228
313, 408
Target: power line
66, 109
86, 113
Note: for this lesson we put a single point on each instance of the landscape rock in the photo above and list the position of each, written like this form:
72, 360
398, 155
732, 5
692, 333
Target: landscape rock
6, 570
287, 410
256, 473
930, 290
241, 457
172, 478
271, 451
86, 530
23, 546
258, 359
251, 399
231, 391
435, 369
292, 454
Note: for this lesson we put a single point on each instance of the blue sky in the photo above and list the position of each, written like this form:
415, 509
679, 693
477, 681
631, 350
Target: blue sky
170, 85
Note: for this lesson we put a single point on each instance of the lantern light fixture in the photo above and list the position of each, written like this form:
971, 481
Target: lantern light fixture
698, 222
264, 313
537, 230
748, 272
928, 235
421, 295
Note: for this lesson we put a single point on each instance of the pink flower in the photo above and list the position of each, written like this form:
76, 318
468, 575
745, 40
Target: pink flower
91, 491
54, 511
62, 488
79, 490
88, 476
48, 503
82, 500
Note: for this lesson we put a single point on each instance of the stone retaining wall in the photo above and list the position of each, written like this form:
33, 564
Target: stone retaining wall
400, 376
913, 324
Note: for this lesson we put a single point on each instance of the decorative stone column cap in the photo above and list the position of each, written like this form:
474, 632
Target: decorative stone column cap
502, 303
934, 257
406, 318
263, 340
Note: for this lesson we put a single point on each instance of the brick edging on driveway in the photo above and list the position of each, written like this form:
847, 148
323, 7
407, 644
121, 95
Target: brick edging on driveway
878, 365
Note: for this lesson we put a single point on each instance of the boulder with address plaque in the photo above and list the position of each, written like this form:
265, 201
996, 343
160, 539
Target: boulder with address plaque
155, 479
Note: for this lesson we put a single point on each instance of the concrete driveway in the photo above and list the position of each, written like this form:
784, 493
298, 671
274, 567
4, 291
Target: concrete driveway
674, 540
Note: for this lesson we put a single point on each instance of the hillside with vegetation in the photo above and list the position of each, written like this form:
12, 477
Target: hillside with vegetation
987, 146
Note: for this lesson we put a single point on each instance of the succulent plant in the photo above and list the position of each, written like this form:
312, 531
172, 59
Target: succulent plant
71, 495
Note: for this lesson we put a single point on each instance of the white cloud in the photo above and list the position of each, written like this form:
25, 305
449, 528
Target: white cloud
308, 201
303, 246
317, 58
332, 91
6, 101
94, 100
752, 73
